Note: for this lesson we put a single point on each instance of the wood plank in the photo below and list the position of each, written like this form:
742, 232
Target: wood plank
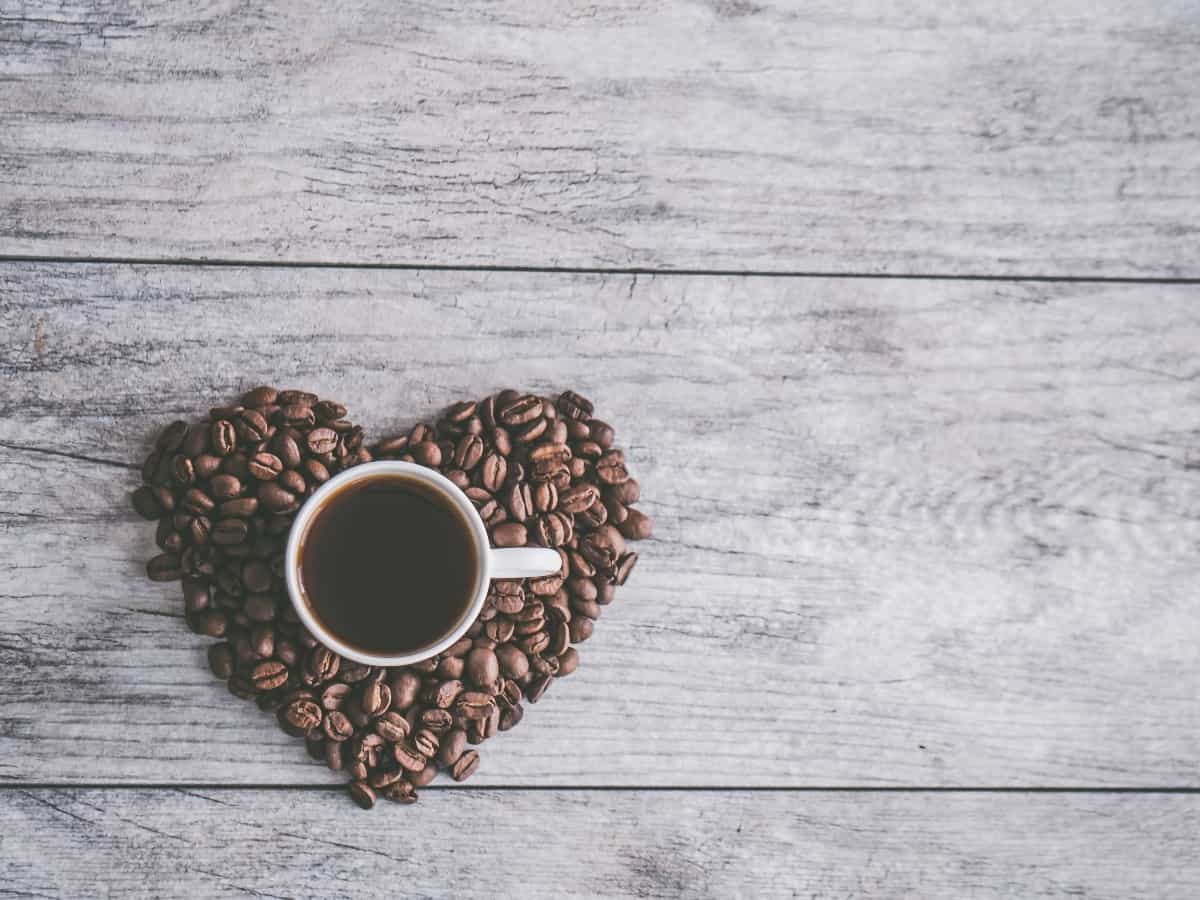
598, 844
909, 533
930, 136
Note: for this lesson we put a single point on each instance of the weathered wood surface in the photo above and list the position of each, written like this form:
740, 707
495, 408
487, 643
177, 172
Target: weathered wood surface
599, 844
933, 136
909, 533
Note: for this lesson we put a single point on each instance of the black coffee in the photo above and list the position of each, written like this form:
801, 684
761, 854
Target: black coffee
388, 565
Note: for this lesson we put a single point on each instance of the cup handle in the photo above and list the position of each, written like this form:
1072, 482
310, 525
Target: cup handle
523, 562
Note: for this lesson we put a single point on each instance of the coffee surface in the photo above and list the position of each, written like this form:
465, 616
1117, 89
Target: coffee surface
387, 565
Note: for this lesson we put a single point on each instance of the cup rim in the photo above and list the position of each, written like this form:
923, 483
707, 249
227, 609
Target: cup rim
313, 505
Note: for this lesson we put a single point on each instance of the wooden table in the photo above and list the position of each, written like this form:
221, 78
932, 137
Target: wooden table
896, 308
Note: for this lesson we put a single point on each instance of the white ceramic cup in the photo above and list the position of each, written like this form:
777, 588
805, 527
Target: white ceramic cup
513, 562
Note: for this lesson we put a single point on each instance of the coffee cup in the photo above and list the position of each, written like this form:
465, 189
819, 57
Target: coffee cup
388, 563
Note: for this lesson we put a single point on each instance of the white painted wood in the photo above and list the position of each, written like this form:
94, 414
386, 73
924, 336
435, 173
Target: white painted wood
909, 532
932, 136
201, 843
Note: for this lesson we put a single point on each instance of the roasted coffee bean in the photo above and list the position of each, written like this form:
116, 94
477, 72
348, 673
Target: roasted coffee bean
266, 676
393, 446
443, 695
287, 449
530, 432
385, 777
582, 588
518, 500
545, 586
229, 531
588, 450
510, 534
409, 758
581, 629
256, 576
560, 639
468, 451
286, 651
474, 704
296, 415
262, 640
315, 471
500, 629
296, 397
534, 644
322, 664
426, 453
537, 688
617, 512
610, 468
231, 411
492, 472
437, 720
335, 757
356, 769
275, 498
405, 688
171, 437
206, 465
451, 667
509, 596
425, 742
392, 727
544, 496
259, 396
594, 516
519, 410
220, 660
482, 667
375, 698
361, 793
574, 406
264, 466
353, 672
589, 609
512, 660
166, 537
335, 695
603, 547
222, 437
627, 492
200, 530
252, 426
637, 526
602, 433
568, 662
196, 502
328, 411
196, 595
164, 567
554, 529
465, 767
322, 440
182, 470
624, 566
510, 718
302, 713
337, 727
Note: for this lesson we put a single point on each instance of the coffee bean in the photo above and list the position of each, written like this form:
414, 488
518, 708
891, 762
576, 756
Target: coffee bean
405, 688
262, 639
392, 727
537, 688
637, 526
171, 437
264, 466
356, 769
335, 757
296, 397
530, 432
322, 664
222, 437
574, 406
206, 465
560, 639
492, 472
164, 567
624, 566
468, 451
425, 742
510, 534
408, 757
519, 410
518, 500
500, 629
554, 529
512, 660
335, 695
252, 426
287, 449
534, 644
196, 502
588, 450
510, 718
337, 727
259, 396
509, 596
426, 453
302, 714
361, 793
482, 667
545, 497
474, 704
581, 629
182, 471
353, 672
267, 676
594, 516
220, 660
274, 497
376, 697
315, 471
322, 440
229, 531
286, 651
465, 767
296, 415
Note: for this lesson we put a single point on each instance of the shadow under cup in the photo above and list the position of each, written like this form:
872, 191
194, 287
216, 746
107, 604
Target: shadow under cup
388, 564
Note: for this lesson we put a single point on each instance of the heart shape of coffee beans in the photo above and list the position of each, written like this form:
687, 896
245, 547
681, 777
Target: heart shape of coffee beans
224, 493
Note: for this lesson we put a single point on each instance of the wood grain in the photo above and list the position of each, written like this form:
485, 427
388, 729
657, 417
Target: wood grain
932, 136
908, 533
598, 844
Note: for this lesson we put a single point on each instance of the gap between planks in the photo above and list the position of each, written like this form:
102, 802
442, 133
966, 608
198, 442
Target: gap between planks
17, 258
